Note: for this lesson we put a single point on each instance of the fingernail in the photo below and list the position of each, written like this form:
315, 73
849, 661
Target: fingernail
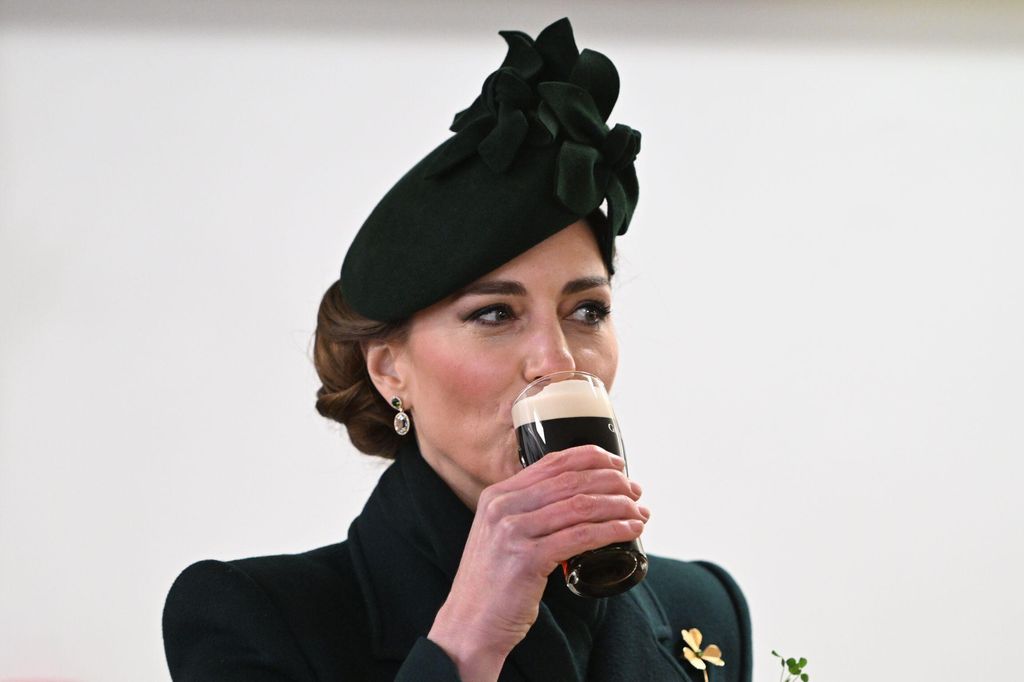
636, 526
645, 512
635, 488
617, 461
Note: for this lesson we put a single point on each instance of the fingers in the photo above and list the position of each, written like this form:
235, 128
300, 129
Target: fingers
580, 509
568, 502
579, 458
585, 536
533, 543
584, 470
563, 486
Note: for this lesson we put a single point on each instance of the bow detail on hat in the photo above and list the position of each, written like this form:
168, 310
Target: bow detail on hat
504, 114
594, 162
547, 92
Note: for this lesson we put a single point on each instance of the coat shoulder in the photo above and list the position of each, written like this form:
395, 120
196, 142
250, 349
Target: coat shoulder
708, 583
280, 613
309, 583
703, 595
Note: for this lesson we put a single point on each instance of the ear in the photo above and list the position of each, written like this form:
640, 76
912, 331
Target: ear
383, 367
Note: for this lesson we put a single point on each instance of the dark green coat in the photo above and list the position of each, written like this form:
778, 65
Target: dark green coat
361, 609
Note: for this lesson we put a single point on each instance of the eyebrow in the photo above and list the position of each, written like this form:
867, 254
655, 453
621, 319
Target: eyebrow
584, 283
509, 287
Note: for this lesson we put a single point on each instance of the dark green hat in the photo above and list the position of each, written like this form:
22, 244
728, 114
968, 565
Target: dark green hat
529, 157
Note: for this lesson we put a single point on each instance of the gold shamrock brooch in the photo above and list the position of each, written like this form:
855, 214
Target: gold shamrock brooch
699, 658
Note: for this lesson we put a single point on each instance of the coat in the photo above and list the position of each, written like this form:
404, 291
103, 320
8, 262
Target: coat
361, 609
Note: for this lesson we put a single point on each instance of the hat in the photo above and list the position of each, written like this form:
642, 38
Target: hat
530, 156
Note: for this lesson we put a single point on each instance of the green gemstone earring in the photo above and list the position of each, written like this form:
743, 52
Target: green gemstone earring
401, 419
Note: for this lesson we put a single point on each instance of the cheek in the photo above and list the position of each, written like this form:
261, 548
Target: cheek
455, 385
600, 356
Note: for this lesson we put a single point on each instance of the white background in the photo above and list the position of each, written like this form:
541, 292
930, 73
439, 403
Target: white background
820, 302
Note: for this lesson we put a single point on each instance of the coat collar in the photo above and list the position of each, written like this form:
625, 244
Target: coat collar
406, 546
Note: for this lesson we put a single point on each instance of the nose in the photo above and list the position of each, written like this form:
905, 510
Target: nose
547, 350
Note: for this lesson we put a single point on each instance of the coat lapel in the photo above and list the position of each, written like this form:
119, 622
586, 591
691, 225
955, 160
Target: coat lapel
635, 642
406, 546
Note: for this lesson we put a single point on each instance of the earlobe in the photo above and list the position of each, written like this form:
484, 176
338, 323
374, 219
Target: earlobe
382, 366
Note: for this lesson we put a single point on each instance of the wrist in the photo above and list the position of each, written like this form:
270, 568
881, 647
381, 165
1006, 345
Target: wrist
476, 655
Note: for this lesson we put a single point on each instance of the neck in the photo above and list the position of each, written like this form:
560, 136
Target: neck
465, 487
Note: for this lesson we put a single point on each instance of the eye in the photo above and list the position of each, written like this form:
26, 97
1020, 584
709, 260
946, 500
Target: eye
591, 313
492, 315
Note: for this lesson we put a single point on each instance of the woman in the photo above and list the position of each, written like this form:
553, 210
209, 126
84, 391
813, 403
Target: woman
485, 267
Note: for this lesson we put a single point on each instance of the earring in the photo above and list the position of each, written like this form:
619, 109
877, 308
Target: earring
401, 419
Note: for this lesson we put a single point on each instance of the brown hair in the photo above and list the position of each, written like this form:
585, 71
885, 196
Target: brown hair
348, 395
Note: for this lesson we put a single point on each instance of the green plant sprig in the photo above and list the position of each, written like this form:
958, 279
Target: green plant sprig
792, 668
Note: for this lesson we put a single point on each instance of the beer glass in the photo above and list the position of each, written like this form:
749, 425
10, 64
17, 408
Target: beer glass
563, 410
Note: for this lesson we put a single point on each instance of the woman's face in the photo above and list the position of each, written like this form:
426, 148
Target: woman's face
467, 357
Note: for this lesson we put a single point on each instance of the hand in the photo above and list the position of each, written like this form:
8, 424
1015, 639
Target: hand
525, 526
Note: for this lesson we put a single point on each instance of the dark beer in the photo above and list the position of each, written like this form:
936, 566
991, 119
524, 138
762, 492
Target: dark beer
566, 432
564, 415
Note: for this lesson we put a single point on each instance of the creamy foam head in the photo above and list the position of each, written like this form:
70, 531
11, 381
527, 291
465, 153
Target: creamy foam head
561, 400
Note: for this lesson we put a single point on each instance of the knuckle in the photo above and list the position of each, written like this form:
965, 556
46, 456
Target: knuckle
570, 481
583, 504
556, 460
515, 543
508, 527
617, 483
583, 534
495, 512
627, 502
487, 496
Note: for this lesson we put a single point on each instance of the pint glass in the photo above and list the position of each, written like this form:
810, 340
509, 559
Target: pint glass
563, 410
